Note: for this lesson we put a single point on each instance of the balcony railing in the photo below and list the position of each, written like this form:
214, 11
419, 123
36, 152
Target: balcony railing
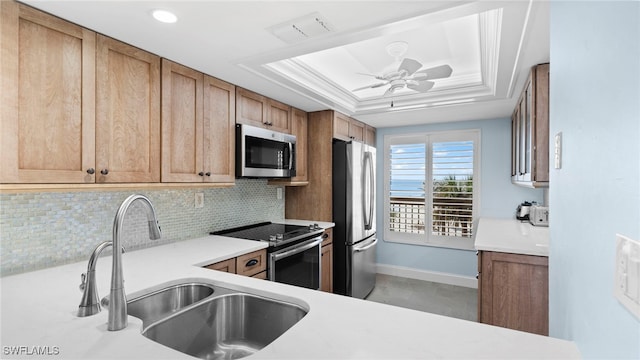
451, 216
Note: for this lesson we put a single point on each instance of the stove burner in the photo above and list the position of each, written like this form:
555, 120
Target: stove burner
274, 233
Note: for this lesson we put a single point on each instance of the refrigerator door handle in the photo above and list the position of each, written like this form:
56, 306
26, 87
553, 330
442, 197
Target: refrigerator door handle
375, 241
368, 223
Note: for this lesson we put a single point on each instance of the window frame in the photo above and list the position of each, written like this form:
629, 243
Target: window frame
429, 138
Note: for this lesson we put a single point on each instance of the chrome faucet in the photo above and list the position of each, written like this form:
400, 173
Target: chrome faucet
117, 299
90, 303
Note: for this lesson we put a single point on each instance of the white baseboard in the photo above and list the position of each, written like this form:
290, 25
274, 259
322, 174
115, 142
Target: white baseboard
434, 276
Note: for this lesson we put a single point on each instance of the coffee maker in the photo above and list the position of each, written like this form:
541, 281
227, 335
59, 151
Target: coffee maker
523, 210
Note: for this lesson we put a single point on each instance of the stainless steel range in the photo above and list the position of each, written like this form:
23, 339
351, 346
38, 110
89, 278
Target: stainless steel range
294, 251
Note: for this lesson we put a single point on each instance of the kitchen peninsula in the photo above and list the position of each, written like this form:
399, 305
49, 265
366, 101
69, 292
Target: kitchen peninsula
38, 310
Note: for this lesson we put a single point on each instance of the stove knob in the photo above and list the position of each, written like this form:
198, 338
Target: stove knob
316, 226
272, 238
311, 227
279, 236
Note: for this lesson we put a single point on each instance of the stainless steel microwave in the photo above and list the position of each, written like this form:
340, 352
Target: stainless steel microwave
264, 153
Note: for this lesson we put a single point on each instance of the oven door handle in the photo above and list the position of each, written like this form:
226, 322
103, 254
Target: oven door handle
297, 249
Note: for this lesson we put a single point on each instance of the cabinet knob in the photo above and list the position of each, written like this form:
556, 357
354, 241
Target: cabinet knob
104, 171
201, 173
478, 276
91, 171
208, 173
251, 262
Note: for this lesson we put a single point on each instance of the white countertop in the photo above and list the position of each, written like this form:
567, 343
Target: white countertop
38, 309
512, 236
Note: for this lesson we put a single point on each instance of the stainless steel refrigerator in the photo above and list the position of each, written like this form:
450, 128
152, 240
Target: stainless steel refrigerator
354, 213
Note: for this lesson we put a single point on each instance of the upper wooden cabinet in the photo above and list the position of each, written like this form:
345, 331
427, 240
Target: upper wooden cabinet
257, 110
348, 129
127, 113
77, 109
530, 131
47, 124
370, 135
197, 126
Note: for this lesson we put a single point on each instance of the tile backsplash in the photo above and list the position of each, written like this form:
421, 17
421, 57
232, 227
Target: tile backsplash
40, 230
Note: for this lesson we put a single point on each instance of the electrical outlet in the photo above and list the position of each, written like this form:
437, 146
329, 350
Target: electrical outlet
557, 155
199, 200
627, 274
279, 193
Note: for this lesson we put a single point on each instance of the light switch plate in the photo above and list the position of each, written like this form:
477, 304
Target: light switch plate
627, 274
199, 200
557, 155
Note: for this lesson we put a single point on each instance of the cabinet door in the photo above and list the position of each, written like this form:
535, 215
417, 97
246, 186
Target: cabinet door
251, 108
182, 123
219, 130
299, 129
370, 135
225, 266
327, 262
341, 125
47, 127
279, 116
356, 130
127, 113
515, 291
540, 109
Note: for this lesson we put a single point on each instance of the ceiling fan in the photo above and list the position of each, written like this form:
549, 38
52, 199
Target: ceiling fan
408, 74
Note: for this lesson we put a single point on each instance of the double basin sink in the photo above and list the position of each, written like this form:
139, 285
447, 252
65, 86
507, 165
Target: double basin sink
208, 321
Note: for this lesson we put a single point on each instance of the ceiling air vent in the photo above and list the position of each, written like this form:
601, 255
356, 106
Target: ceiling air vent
302, 28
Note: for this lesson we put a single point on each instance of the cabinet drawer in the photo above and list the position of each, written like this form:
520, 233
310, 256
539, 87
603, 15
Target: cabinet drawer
226, 266
252, 263
260, 275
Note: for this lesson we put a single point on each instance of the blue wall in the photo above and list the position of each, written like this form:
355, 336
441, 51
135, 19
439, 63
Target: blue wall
595, 103
499, 197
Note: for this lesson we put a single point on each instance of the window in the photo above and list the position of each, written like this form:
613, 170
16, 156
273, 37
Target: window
431, 188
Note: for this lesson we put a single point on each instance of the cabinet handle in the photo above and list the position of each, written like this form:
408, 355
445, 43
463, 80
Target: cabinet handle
208, 173
325, 235
104, 171
200, 173
251, 262
91, 171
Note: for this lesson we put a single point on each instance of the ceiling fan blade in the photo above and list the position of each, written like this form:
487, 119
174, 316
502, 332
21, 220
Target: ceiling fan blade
372, 86
437, 72
374, 76
422, 86
409, 65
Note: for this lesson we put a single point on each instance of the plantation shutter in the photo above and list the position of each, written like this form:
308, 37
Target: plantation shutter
431, 189
452, 188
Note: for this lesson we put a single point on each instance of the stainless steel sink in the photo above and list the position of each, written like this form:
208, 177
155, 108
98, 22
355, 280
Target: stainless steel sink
229, 326
157, 304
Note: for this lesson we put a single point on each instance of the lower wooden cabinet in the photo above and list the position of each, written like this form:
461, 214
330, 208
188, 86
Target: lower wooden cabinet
326, 278
513, 291
253, 264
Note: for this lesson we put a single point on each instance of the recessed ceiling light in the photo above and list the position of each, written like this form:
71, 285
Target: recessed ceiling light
164, 16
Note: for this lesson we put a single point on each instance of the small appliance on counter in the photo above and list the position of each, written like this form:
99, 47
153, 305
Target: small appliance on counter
539, 215
523, 210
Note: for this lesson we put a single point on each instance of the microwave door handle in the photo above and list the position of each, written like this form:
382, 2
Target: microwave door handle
296, 249
290, 156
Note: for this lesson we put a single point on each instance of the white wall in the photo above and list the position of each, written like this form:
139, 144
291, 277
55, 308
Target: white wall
499, 198
595, 103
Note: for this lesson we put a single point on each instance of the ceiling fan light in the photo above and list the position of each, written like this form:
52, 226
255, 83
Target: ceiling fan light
397, 48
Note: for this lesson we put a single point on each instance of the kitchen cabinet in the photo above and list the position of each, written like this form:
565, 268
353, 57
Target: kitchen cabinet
314, 201
198, 131
347, 129
48, 98
530, 131
513, 291
127, 113
370, 135
253, 264
261, 111
326, 277
79, 107
299, 125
